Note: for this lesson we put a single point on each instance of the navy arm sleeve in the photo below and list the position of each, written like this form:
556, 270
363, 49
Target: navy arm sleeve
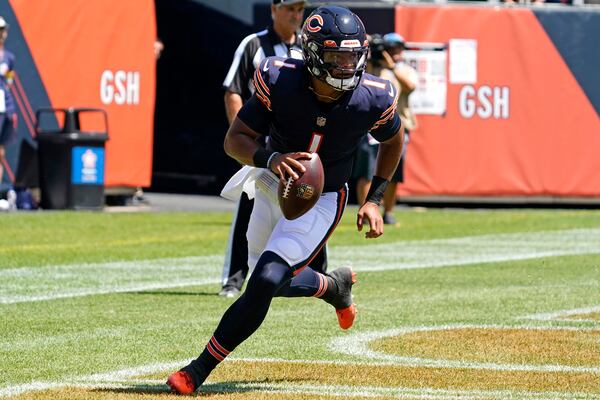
388, 130
257, 112
254, 114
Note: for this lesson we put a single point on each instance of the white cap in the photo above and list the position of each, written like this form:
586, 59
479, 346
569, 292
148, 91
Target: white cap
287, 2
3, 24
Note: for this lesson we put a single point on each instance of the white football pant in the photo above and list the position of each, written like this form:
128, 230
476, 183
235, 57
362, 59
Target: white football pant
296, 241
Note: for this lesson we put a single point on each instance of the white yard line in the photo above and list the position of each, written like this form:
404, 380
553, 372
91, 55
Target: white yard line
563, 315
469, 250
29, 284
126, 378
76, 280
95, 379
31, 342
357, 345
29, 387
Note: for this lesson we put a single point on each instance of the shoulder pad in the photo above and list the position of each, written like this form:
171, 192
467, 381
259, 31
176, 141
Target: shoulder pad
386, 98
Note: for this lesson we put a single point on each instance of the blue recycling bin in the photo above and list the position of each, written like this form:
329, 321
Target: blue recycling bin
71, 161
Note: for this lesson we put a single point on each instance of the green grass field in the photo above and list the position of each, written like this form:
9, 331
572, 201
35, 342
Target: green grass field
453, 304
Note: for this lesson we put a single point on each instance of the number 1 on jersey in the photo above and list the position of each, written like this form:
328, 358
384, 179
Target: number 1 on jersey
315, 142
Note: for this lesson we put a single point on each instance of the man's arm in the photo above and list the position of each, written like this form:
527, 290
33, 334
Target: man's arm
233, 103
407, 77
388, 157
408, 85
240, 144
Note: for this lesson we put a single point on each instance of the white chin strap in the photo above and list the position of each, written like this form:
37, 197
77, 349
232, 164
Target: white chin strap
342, 84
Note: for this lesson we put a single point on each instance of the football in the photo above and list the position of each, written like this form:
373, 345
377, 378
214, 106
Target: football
296, 197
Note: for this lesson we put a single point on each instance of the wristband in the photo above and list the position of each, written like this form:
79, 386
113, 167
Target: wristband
270, 160
377, 189
261, 157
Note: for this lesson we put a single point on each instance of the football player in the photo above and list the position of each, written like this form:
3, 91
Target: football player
281, 38
324, 103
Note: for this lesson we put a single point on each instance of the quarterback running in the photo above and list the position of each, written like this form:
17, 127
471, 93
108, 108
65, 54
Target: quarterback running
322, 104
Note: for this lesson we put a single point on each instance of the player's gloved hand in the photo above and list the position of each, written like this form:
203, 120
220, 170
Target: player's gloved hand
285, 165
370, 212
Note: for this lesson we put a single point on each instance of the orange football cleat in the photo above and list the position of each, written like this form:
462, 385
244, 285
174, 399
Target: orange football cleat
346, 316
181, 382
345, 309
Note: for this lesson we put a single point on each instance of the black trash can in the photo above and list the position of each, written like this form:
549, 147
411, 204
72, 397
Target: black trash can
71, 161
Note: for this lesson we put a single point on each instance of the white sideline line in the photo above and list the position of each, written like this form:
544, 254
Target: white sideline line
357, 345
564, 314
31, 284
125, 378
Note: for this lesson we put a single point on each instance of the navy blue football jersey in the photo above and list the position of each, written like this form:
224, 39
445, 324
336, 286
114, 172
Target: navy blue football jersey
285, 108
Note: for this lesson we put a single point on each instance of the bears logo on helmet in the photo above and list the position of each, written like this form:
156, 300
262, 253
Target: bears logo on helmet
316, 27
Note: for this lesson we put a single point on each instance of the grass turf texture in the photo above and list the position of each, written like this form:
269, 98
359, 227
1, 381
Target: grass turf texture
515, 346
590, 316
61, 340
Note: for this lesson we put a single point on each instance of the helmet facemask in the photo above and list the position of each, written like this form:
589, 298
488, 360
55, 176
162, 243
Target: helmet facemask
339, 67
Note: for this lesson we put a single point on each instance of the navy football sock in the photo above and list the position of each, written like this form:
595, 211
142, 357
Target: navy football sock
311, 283
210, 357
244, 316
307, 283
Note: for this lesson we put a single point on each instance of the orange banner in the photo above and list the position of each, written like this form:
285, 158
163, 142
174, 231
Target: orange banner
99, 53
523, 127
